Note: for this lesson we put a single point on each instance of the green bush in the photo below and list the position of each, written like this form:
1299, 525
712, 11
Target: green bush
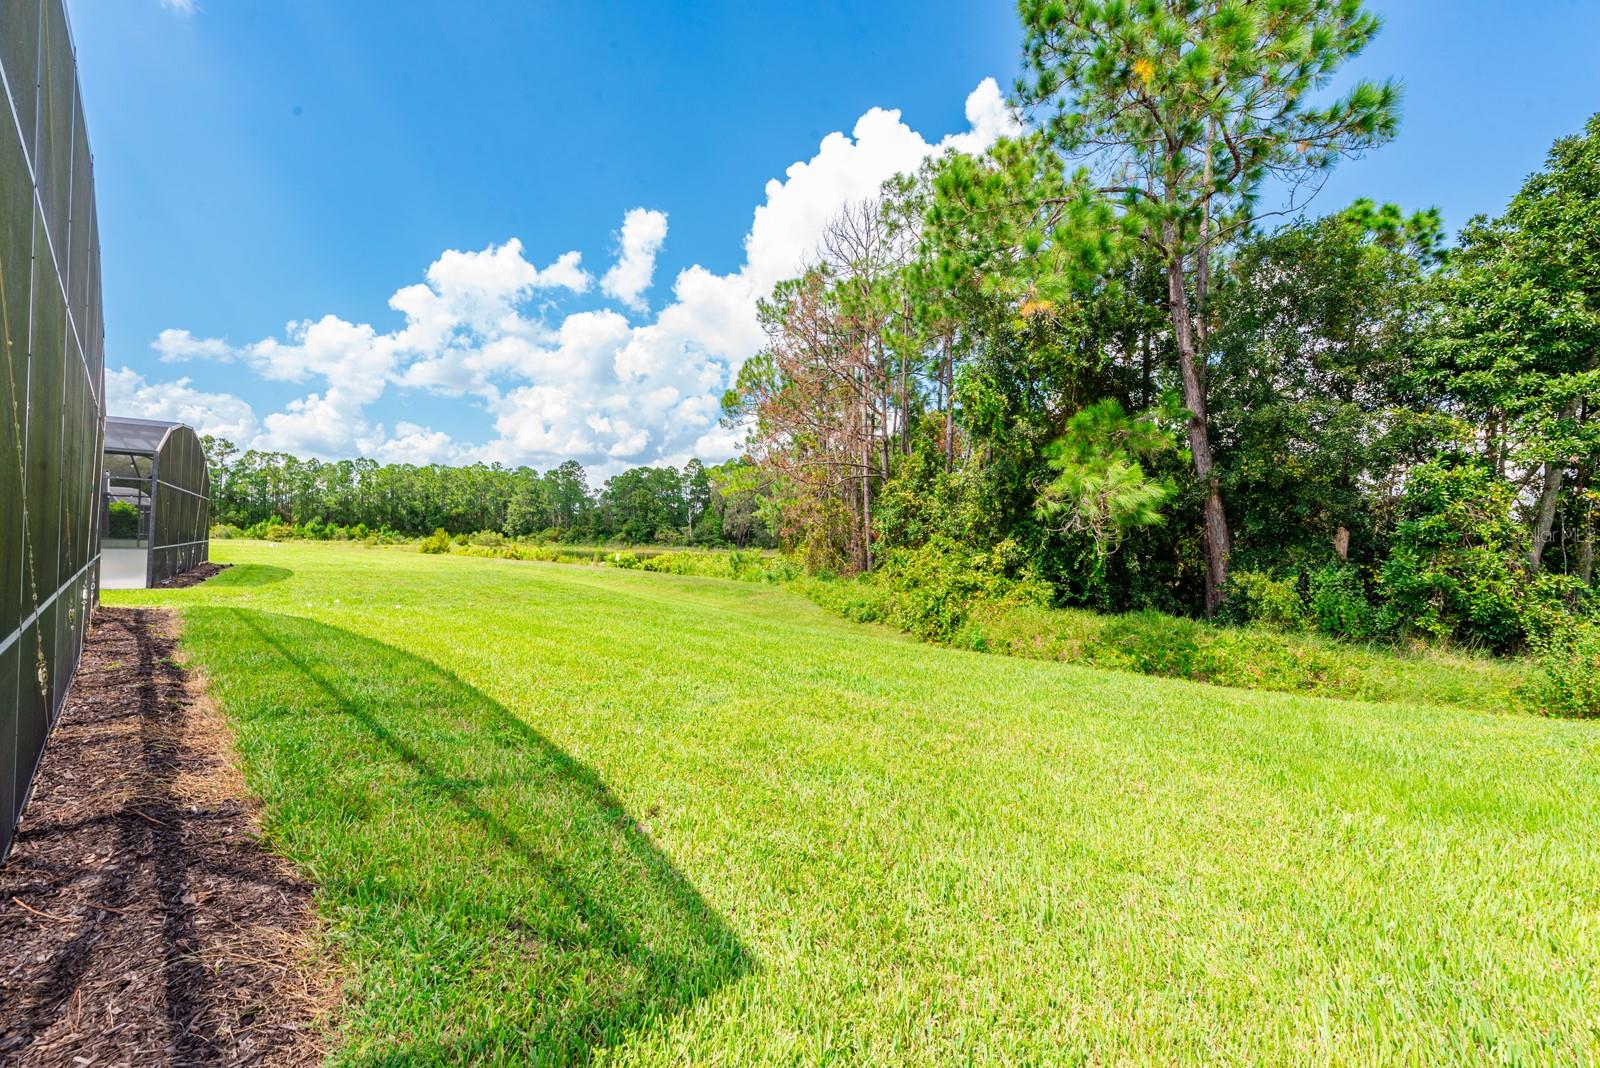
437, 542
744, 565
1260, 598
1553, 603
124, 519
931, 590
1339, 604
1455, 572
1567, 680
1150, 643
225, 532
859, 600
275, 529
626, 559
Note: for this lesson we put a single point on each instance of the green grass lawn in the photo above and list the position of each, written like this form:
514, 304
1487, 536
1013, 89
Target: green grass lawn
559, 813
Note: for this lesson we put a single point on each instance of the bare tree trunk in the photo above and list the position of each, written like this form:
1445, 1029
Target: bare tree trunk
1586, 524
1586, 552
866, 518
1544, 518
1202, 267
866, 486
1550, 496
1218, 543
949, 406
905, 418
905, 410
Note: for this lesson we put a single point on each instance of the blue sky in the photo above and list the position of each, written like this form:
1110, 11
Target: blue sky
392, 228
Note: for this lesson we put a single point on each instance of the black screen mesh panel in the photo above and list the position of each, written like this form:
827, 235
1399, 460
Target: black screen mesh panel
75, 260
52, 159
45, 462
9, 659
19, 57
182, 510
16, 244
51, 388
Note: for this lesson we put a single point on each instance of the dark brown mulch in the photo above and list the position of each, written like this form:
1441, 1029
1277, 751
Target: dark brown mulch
141, 920
192, 577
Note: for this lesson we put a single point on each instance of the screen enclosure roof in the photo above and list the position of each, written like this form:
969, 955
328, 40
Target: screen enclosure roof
141, 436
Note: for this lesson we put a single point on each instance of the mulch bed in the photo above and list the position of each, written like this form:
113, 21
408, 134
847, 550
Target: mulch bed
141, 920
192, 577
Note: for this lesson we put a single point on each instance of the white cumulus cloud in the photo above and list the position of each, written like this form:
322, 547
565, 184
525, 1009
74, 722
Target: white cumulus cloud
413, 444
222, 414
643, 234
589, 385
176, 345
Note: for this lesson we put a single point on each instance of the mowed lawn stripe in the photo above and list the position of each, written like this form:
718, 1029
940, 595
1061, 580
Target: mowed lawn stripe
562, 812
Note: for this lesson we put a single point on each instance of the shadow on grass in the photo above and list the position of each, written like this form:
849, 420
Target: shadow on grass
495, 901
246, 575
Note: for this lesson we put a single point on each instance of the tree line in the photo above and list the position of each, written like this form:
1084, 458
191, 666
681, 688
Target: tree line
699, 505
1116, 353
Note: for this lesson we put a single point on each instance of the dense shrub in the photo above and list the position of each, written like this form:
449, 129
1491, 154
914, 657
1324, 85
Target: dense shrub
1263, 599
275, 529
437, 542
1567, 680
123, 519
510, 549
945, 592
743, 565
1553, 603
1455, 572
860, 600
931, 590
1338, 603
545, 553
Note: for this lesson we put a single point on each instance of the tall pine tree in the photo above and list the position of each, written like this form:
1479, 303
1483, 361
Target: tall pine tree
1184, 109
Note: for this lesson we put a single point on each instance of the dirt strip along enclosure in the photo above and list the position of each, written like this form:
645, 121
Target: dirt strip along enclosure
141, 920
